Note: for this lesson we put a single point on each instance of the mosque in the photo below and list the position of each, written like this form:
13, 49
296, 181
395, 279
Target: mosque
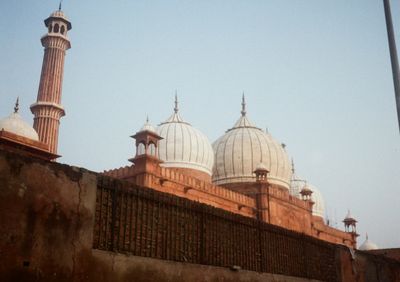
245, 171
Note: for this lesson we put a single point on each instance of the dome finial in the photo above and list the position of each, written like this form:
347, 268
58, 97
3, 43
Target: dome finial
16, 107
59, 6
147, 118
243, 105
176, 102
366, 236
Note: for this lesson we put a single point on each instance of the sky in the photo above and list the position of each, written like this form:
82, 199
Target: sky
316, 73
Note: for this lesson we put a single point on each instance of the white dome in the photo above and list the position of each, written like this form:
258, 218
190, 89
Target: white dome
148, 127
15, 124
183, 146
261, 166
296, 183
58, 14
242, 148
368, 245
319, 203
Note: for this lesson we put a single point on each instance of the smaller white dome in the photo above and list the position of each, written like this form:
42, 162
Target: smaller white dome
15, 124
319, 203
262, 166
148, 127
183, 146
58, 14
349, 216
368, 245
296, 183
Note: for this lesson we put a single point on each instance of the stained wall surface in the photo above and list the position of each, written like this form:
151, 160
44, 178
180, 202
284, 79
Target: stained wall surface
50, 227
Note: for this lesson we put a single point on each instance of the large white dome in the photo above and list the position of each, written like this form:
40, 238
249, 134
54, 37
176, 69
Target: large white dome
242, 148
15, 124
183, 146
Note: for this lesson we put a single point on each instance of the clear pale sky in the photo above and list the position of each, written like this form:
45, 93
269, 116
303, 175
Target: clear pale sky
316, 73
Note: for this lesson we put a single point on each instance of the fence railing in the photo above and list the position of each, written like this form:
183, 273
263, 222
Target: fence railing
143, 222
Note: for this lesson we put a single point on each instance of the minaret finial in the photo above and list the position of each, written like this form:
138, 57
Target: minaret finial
147, 118
59, 6
176, 101
243, 105
16, 107
366, 236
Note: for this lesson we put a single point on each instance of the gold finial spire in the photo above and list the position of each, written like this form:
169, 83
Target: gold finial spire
16, 107
176, 101
243, 112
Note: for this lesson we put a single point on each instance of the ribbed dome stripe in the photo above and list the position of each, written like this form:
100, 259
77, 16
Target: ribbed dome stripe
203, 147
166, 142
233, 151
225, 154
242, 149
206, 155
216, 157
190, 142
174, 141
277, 149
261, 149
183, 142
251, 150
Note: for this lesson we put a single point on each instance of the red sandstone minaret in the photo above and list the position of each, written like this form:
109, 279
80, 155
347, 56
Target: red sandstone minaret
48, 109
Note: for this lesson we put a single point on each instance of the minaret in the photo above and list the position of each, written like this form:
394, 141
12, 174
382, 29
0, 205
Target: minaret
48, 109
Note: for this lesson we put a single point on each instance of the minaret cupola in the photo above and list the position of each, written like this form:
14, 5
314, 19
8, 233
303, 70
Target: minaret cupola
147, 142
57, 23
350, 223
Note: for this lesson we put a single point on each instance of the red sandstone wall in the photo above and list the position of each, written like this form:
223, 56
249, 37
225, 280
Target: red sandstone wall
241, 198
361, 266
193, 173
324, 232
46, 219
47, 214
390, 253
175, 182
